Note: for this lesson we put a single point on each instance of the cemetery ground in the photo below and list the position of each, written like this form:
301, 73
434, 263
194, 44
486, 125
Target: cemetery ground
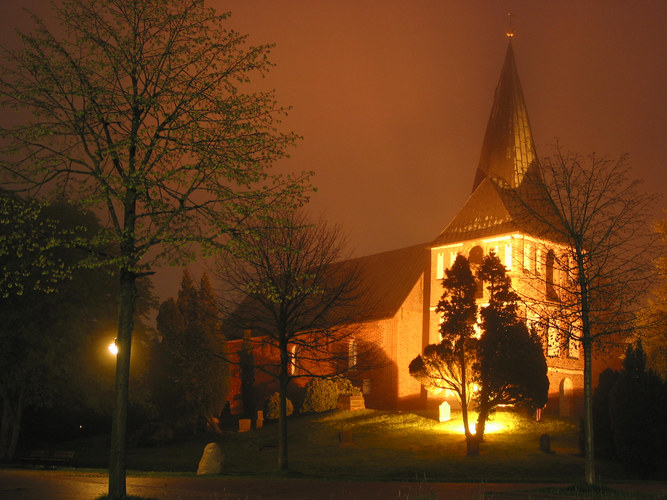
389, 447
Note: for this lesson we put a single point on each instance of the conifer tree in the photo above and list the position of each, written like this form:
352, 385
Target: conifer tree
510, 362
194, 350
449, 364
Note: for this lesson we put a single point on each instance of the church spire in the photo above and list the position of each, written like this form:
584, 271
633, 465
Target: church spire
508, 148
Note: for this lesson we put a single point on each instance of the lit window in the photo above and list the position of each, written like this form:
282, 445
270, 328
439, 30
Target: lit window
573, 342
352, 353
440, 266
552, 340
293, 355
452, 258
538, 261
526, 256
508, 256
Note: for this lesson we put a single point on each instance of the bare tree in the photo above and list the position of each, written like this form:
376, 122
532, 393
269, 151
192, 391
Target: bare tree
595, 264
137, 109
291, 287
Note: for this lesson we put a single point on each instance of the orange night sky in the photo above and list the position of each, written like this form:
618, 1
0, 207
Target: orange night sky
392, 96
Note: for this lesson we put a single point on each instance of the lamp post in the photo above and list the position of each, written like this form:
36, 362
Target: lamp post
113, 348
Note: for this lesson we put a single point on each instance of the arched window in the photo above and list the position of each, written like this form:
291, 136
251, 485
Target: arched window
293, 367
475, 257
352, 353
565, 391
549, 276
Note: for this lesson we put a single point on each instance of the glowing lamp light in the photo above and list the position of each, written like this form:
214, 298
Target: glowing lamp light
500, 423
113, 348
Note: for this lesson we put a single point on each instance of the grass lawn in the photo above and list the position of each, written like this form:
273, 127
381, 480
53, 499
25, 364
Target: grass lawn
386, 445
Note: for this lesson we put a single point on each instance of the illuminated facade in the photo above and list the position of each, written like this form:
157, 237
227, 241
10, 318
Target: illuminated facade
406, 283
486, 223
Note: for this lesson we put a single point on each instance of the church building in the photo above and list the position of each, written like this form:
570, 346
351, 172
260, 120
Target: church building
406, 284
408, 281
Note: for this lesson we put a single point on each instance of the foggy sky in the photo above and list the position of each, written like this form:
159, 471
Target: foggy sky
392, 97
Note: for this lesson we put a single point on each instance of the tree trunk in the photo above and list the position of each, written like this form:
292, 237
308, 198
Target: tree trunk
283, 463
587, 341
5, 425
10, 426
128, 294
481, 421
589, 456
464, 397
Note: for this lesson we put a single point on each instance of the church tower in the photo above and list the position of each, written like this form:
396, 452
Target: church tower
490, 221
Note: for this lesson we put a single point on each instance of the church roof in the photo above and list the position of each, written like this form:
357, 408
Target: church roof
507, 169
385, 280
508, 149
390, 276
495, 208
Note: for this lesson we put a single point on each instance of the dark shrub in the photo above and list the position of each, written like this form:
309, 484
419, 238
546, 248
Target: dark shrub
604, 434
322, 393
272, 407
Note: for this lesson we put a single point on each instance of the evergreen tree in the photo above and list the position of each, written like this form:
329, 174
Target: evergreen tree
449, 364
636, 409
191, 356
510, 361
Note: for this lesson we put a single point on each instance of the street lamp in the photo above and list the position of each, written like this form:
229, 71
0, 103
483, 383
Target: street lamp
113, 348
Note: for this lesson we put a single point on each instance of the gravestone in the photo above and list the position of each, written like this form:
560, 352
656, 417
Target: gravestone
244, 424
545, 443
211, 460
351, 403
445, 412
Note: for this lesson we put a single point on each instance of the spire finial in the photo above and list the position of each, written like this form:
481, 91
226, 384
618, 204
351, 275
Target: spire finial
510, 30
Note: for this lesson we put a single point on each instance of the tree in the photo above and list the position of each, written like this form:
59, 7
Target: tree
50, 336
638, 396
31, 246
191, 352
138, 109
449, 364
652, 320
503, 365
596, 217
289, 287
510, 359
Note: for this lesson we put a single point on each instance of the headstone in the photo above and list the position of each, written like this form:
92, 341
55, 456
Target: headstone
211, 460
445, 413
545, 443
259, 423
244, 424
351, 403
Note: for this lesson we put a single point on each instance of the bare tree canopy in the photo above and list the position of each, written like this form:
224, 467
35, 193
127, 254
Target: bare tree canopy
595, 224
141, 110
291, 287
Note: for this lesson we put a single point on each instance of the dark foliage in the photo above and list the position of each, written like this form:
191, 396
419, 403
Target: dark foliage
604, 434
637, 413
510, 362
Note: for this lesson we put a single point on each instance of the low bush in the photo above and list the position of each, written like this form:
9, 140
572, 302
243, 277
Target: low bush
322, 393
272, 407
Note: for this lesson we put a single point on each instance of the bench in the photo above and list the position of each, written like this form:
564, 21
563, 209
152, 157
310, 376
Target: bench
45, 458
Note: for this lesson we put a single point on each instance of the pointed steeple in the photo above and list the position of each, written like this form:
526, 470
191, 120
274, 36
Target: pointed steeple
508, 148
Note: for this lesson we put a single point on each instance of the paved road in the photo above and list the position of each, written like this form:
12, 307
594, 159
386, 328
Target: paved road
70, 485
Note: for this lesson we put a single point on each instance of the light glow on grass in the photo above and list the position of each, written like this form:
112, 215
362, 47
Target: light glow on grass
500, 422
